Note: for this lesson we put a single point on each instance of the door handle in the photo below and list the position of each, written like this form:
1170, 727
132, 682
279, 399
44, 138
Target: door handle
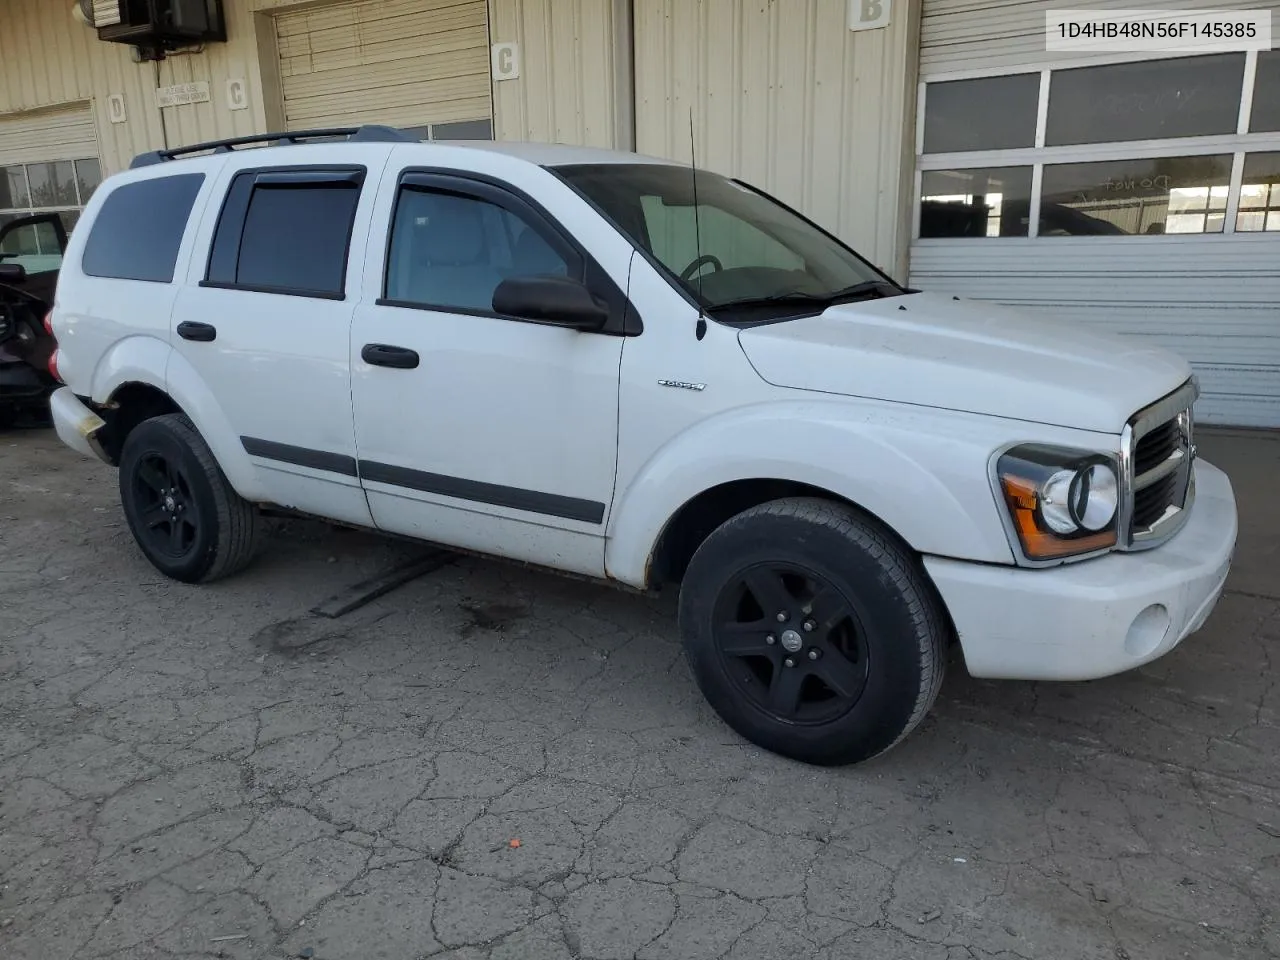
200, 332
382, 355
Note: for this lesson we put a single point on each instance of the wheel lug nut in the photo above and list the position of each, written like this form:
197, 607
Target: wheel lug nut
809, 626
782, 616
813, 654
788, 662
771, 639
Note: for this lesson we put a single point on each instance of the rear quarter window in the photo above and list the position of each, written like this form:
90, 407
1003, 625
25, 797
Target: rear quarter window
137, 232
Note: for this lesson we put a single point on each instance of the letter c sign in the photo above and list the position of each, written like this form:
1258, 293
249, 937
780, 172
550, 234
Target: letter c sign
237, 95
504, 61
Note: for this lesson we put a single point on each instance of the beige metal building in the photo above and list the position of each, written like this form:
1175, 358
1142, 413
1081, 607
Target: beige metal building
1136, 193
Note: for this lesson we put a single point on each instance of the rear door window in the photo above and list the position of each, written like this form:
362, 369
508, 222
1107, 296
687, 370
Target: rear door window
139, 229
286, 231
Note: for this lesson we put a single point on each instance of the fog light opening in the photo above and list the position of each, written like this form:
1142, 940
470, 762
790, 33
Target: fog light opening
1147, 631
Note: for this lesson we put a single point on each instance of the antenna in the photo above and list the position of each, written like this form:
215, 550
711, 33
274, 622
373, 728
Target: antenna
701, 329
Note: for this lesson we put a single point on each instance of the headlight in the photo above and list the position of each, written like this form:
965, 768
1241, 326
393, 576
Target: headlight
1061, 502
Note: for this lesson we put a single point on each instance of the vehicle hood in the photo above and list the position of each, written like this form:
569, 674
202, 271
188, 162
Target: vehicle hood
936, 351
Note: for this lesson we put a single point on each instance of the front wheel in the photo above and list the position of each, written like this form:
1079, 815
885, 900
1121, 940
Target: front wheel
812, 632
183, 512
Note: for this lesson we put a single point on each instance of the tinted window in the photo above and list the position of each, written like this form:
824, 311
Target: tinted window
987, 202
991, 113
1265, 116
286, 231
1156, 196
138, 230
1148, 100
452, 251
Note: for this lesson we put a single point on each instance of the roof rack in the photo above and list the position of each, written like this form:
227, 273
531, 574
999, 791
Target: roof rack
369, 133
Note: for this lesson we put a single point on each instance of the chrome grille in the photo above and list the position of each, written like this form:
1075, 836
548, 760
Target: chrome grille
1157, 453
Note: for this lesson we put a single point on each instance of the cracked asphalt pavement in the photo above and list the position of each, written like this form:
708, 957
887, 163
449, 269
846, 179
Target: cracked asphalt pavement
494, 763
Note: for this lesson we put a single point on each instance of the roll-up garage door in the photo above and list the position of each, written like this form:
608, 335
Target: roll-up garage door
48, 163
47, 136
1138, 194
421, 64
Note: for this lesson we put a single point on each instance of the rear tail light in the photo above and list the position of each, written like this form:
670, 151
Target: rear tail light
53, 367
48, 323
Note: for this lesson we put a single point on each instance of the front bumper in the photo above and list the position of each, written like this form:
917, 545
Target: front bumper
77, 426
1097, 617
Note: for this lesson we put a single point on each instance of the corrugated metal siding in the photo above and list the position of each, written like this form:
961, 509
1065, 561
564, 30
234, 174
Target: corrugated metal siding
785, 96
59, 134
990, 35
1216, 303
49, 60
405, 62
569, 86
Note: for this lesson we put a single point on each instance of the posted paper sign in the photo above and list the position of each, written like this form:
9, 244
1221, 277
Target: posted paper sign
182, 93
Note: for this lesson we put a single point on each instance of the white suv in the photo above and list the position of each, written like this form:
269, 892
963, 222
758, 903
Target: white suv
551, 354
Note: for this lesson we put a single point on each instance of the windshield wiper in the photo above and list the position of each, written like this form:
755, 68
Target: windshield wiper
858, 291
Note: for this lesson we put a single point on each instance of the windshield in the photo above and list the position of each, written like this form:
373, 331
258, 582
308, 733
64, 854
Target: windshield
744, 251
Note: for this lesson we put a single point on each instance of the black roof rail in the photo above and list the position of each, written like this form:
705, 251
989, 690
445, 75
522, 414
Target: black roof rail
369, 133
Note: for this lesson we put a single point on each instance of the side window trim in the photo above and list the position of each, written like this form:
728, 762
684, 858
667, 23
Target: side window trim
624, 319
234, 212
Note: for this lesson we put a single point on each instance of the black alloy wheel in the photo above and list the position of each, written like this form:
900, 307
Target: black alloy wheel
791, 642
183, 512
163, 493
813, 630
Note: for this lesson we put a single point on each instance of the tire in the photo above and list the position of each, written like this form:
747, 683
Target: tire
865, 632
169, 480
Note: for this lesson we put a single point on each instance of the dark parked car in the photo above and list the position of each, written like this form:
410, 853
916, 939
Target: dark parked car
31, 251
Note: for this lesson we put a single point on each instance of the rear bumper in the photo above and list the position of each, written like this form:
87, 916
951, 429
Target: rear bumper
21, 381
1098, 617
77, 426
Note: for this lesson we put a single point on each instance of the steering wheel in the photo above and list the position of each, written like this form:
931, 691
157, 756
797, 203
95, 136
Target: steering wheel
701, 261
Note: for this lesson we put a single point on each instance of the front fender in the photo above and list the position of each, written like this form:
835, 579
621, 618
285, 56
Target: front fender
153, 362
924, 473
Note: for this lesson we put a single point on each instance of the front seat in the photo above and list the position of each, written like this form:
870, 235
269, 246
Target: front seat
454, 267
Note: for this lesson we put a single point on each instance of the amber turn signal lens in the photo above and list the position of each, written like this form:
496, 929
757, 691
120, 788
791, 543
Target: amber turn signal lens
1021, 496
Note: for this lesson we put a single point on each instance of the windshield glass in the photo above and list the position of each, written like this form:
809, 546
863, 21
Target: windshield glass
744, 250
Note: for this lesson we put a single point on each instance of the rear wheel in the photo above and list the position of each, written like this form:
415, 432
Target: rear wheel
812, 631
183, 513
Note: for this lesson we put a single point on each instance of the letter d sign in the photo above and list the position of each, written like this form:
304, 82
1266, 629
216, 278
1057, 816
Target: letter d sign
868, 14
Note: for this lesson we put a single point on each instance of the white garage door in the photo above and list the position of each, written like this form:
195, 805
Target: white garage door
48, 163
421, 64
1141, 197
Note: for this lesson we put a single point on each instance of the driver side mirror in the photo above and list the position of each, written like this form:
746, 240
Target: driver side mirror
550, 299
12, 273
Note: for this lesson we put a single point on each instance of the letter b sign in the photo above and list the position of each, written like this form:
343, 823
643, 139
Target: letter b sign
868, 14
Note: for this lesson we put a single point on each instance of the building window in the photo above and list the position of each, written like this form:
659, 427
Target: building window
1143, 148
1149, 100
457, 130
1265, 116
62, 187
992, 202
1164, 195
989, 113
1260, 194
